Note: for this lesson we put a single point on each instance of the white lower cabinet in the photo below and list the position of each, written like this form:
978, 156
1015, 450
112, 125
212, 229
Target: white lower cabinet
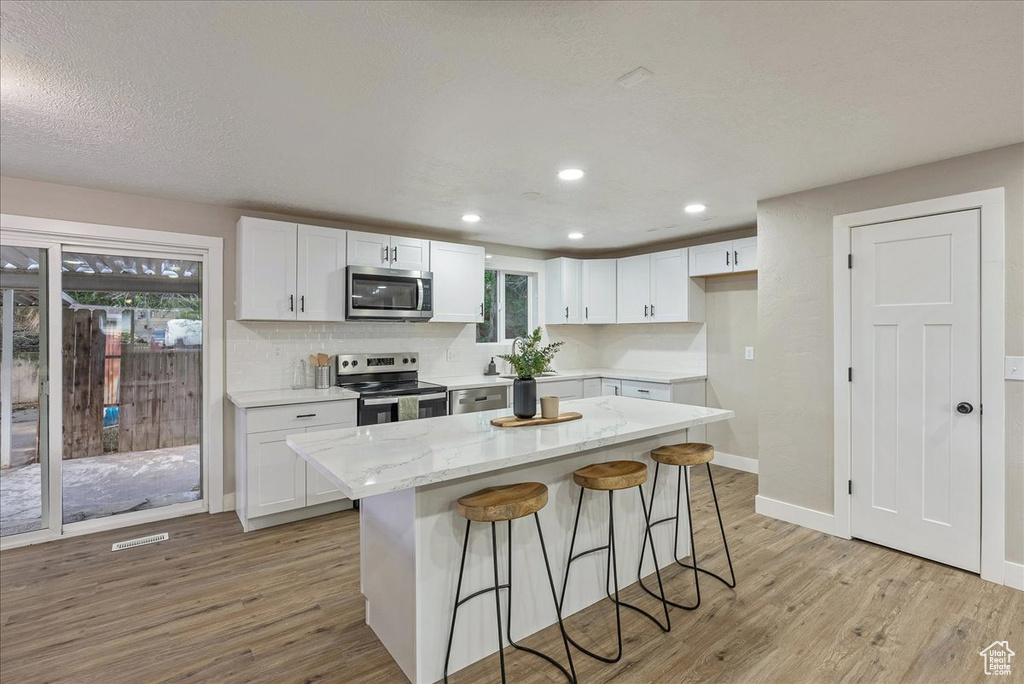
565, 390
610, 388
591, 388
273, 484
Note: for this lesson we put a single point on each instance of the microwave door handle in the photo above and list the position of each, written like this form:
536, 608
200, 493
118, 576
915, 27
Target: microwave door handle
419, 288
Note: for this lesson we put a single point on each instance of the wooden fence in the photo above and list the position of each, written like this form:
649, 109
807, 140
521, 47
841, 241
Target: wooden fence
158, 391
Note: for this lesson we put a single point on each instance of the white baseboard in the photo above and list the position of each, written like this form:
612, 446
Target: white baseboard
228, 503
744, 463
1013, 575
798, 515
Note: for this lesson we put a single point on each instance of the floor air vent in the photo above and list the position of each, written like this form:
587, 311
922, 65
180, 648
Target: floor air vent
141, 541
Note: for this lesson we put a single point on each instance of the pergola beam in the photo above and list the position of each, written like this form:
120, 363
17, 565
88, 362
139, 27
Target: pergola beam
105, 283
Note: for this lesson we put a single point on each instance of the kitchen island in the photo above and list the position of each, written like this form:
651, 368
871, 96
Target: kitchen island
408, 476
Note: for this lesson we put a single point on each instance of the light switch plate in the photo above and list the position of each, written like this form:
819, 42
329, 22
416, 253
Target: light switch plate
1015, 367
452, 355
748, 353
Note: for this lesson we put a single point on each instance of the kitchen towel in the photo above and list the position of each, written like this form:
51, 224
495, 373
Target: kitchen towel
408, 408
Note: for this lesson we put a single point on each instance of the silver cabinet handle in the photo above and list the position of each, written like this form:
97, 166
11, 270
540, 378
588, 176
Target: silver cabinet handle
394, 254
586, 312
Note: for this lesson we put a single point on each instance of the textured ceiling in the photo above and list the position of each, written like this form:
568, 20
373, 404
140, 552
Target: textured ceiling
416, 113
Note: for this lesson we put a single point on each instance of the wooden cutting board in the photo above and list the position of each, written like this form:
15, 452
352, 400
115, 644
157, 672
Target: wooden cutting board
512, 421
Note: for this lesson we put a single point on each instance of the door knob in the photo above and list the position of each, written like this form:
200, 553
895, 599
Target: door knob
964, 408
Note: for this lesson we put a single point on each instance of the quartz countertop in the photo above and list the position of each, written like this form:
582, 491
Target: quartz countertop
468, 381
280, 397
377, 459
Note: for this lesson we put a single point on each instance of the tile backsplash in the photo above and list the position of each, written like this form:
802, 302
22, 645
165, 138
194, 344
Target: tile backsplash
261, 354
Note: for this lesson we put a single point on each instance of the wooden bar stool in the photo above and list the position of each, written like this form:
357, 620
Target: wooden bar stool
612, 476
505, 504
684, 456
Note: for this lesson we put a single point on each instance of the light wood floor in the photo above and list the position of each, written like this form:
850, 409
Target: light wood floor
283, 605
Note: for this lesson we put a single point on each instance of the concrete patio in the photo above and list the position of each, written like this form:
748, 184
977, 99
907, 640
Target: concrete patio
100, 486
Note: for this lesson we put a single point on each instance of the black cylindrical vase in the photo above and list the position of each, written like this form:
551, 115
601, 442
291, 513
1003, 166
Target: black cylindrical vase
524, 397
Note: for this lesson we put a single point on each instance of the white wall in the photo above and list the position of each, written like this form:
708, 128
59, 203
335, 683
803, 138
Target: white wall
795, 321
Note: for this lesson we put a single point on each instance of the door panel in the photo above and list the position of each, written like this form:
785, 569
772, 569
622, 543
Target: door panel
318, 488
634, 289
321, 274
744, 254
277, 475
367, 249
599, 292
916, 461
710, 259
266, 262
669, 281
458, 282
410, 254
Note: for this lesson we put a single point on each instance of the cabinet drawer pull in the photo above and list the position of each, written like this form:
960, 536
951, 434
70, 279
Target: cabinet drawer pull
726, 257
644, 391
291, 302
645, 311
302, 303
735, 258
306, 415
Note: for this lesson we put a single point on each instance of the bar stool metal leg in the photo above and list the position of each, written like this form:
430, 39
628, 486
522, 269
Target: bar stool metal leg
612, 574
721, 528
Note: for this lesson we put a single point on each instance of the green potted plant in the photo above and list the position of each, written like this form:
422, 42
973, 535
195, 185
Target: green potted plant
530, 361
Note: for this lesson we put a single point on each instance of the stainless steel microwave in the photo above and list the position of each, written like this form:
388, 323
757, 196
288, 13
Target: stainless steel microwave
385, 294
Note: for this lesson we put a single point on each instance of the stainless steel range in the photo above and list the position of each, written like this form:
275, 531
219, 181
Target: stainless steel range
382, 379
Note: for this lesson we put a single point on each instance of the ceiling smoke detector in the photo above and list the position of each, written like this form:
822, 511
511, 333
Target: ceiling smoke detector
633, 77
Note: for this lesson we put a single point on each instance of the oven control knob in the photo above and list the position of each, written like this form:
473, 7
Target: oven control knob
344, 364
412, 360
355, 363
405, 360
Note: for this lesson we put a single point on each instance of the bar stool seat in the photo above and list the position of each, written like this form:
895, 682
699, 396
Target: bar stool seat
689, 454
503, 504
498, 504
611, 475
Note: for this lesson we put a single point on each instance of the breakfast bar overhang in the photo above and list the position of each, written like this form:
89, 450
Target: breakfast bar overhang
408, 476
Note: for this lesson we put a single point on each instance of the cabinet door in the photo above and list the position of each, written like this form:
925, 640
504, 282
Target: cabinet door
410, 254
591, 388
610, 387
368, 249
634, 289
321, 274
669, 287
599, 293
711, 259
318, 488
565, 390
744, 254
458, 282
562, 291
266, 265
276, 477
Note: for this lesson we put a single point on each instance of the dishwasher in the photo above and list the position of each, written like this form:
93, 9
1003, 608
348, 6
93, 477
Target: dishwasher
477, 399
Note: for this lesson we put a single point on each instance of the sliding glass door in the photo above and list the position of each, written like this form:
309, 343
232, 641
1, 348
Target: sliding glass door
132, 336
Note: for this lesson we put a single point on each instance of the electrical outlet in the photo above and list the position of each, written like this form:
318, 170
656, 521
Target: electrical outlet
451, 355
748, 353
277, 351
1015, 367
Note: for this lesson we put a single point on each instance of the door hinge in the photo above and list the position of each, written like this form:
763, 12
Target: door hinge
849, 487
849, 374
849, 261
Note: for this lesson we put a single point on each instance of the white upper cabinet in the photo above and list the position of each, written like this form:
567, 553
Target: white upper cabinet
634, 289
412, 254
598, 290
563, 296
674, 297
731, 256
320, 275
656, 288
266, 265
388, 251
369, 249
289, 272
458, 282
744, 254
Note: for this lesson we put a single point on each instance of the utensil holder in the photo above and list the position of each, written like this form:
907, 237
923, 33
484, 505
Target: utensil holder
322, 377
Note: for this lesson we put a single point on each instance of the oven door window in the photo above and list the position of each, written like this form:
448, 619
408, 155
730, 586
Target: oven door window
374, 413
384, 292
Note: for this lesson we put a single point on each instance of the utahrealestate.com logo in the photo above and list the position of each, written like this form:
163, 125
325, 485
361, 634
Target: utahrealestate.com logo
997, 658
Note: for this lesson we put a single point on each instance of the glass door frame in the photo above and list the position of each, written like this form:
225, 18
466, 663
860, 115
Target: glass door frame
171, 510
55, 236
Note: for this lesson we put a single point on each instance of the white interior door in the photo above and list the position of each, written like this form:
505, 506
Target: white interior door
916, 419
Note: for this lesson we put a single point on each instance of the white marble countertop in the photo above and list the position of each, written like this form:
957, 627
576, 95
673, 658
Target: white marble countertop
390, 457
468, 381
279, 397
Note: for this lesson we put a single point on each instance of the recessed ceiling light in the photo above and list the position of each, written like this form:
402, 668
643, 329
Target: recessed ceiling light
570, 174
575, 236
694, 208
470, 218
489, 256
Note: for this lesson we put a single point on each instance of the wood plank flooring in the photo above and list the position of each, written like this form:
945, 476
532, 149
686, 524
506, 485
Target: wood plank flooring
283, 605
